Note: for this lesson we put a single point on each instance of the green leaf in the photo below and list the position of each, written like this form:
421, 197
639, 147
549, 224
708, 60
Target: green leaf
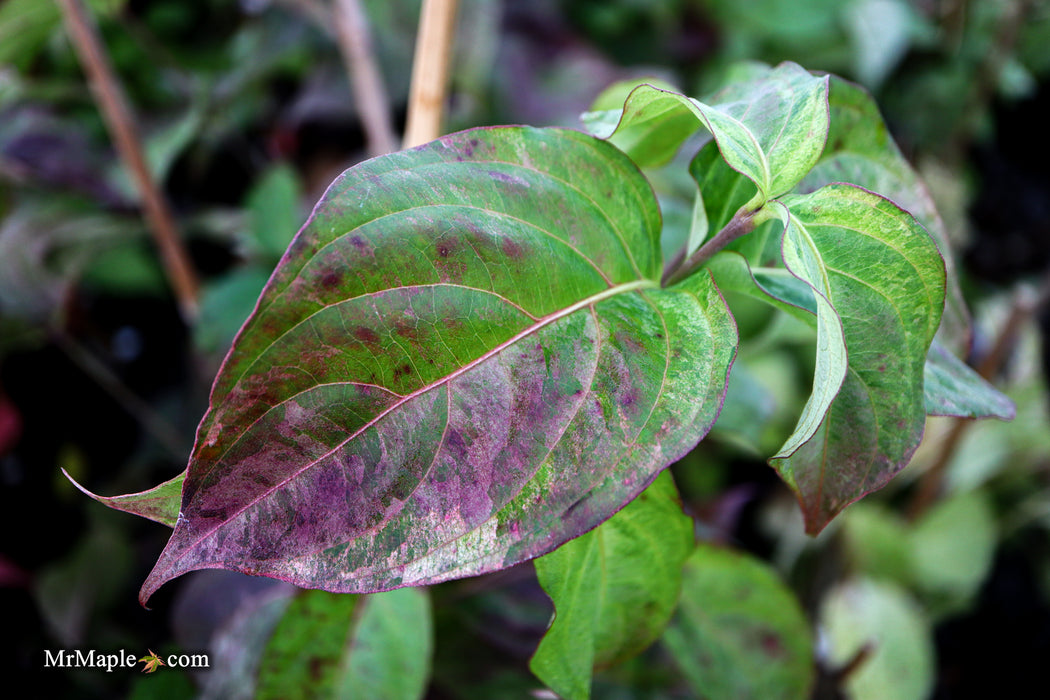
25, 26
886, 283
950, 386
953, 546
463, 361
346, 646
721, 192
226, 303
771, 129
273, 211
954, 389
803, 259
160, 503
739, 632
883, 618
862, 152
614, 589
878, 543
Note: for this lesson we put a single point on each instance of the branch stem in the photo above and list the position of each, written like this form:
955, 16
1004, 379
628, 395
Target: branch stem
113, 104
373, 104
741, 224
430, 69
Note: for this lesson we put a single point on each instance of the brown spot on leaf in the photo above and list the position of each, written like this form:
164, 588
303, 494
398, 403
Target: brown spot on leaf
445, 247
366, 335
771, 645
331, 279
511, 248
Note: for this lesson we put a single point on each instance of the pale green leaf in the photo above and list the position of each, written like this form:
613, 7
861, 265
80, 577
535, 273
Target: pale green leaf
953, 545
739, 632
884, 619
374, 647
613, 588
954, 389
771, 129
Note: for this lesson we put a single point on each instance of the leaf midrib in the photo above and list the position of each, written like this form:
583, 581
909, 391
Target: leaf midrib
543, 322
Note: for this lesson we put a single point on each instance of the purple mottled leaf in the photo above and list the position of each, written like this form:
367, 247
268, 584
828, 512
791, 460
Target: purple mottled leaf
463, 360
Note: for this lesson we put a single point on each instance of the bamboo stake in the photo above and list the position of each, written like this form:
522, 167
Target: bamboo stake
121, 124
430, 70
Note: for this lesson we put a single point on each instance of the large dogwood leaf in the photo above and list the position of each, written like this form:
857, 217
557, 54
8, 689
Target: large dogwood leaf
886, 284
463, 360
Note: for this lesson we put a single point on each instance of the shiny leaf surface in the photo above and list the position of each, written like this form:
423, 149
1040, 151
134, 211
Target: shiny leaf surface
463, 360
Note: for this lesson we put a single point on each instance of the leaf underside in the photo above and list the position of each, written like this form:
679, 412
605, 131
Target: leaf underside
463, 360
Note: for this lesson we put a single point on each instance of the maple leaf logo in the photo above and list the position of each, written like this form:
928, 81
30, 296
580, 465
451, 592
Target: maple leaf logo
152, 662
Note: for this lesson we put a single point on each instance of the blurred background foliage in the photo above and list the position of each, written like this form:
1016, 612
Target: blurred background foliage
246, 115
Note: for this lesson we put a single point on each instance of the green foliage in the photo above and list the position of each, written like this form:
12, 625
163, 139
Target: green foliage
613, 588
368, 647
490, 349
739, 632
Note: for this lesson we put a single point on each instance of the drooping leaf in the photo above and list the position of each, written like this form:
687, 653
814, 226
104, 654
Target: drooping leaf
614, 589
462, 361
861, 151
886, 282
954, 389
348, 646
739, 632
160, 503
771, 129
804, 259
882, 617
950, 386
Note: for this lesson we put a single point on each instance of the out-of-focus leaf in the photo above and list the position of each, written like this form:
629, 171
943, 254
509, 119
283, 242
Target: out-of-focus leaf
463, 361
225, 304
349, 646
883, 617
881, 32
25, 26
44, 248
953, 545
238, 646
771, 129
69, 592
748, 409
614, 589
128, 267
739, 632
886, 283
954, 389
273, 211
878, 543
160, 503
